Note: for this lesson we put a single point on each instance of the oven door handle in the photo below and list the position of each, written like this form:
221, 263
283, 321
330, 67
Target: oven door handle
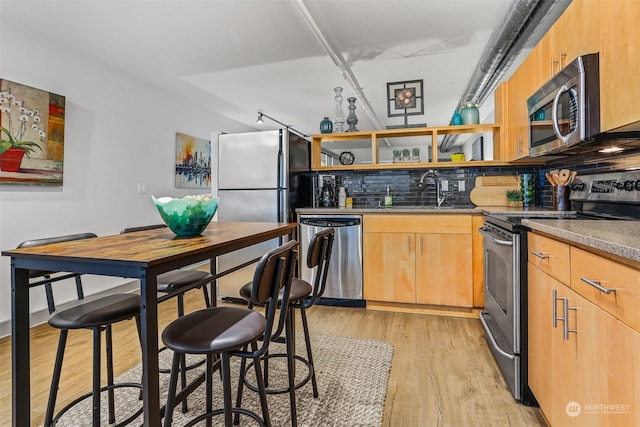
483, 231
492, 340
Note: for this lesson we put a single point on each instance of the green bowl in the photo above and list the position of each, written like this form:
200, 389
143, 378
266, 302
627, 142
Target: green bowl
188, 216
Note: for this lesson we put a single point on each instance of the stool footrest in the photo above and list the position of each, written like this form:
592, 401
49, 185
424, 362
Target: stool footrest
103, 389
239, 411
284, 389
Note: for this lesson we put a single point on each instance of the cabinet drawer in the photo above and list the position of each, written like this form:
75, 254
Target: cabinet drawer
451, 224
622, 303
550, 256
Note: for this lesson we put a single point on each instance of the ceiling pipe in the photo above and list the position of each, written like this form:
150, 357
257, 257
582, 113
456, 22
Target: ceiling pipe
342, 65
522, 20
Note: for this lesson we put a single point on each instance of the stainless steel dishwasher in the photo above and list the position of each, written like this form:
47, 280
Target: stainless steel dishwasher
344, 281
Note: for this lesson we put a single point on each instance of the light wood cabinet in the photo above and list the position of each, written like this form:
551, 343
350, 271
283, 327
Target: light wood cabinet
583, 361
619, 44
389, 267
444, 273
587, 26
539, 331
423, 259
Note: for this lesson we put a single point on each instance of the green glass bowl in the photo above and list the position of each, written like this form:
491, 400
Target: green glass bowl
188, 216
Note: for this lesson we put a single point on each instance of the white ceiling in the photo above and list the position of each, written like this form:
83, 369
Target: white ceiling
238, 57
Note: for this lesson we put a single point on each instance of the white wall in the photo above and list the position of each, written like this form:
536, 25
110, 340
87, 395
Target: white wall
119, 131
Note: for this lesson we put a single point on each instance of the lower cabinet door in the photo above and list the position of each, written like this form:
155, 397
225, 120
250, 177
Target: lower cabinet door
540, 326
389, 267
444, 269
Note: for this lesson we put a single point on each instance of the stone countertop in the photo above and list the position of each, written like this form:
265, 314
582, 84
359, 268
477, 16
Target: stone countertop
423, 210
621, 238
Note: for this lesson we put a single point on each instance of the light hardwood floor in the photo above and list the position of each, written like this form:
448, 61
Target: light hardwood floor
442, 374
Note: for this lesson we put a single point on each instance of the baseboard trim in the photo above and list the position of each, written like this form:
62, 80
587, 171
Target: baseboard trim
471, 313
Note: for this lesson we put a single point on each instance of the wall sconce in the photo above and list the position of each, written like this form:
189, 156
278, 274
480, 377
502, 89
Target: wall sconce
260, 118
405, 99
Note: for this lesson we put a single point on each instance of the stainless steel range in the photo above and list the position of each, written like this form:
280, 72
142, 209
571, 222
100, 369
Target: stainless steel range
602, 196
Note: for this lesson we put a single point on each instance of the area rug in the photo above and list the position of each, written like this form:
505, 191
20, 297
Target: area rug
352, 382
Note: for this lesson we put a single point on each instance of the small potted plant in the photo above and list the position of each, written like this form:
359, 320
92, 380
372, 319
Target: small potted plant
396, 156
514, 197
21, 122
415, 154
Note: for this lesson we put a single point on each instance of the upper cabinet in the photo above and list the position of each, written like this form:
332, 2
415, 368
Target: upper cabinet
619, 35
587, 26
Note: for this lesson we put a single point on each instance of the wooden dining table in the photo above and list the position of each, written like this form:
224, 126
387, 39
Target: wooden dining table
141, 255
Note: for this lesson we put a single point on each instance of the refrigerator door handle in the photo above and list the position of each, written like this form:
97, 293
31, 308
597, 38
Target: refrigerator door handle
281, 182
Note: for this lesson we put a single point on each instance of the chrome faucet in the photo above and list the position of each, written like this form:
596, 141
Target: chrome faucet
432, 178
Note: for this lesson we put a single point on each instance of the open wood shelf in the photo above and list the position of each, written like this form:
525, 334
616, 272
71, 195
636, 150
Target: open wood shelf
375, 136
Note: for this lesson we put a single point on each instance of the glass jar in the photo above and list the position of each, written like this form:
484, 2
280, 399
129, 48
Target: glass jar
326, 125
470, 113
527, 188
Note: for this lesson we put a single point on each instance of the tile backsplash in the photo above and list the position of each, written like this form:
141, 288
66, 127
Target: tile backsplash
368, 188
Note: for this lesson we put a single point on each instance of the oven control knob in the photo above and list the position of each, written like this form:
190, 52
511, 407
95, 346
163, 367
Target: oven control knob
637, 185
577, 186
628, 185
620, 185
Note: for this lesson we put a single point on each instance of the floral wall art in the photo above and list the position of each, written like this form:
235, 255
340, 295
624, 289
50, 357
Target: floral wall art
31, 135
193, 162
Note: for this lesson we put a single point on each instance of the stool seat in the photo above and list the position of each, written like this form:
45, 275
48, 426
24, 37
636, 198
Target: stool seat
299, 289
214, 330
177, 279
92, 313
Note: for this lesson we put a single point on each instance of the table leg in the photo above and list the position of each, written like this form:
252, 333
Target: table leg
20, 359
149, 338
213, 269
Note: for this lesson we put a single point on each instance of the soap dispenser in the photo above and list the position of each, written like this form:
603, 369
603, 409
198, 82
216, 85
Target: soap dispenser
342, 198
388, 200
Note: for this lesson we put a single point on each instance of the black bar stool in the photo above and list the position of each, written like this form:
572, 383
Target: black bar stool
231, 331
96, 314
175, 284
302, 296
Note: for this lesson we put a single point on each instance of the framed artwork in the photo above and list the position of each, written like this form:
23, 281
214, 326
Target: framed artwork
31, 135
405, 99
193, 162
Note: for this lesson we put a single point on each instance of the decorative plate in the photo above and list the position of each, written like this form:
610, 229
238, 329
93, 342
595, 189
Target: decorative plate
346, 158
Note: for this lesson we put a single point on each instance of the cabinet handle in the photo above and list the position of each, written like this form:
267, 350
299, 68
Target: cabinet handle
561, 55
596, 284
540, 255
566, 309
421, 246
553, 64
409, 243
554, 308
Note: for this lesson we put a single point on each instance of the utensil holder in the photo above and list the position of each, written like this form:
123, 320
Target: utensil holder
561, 200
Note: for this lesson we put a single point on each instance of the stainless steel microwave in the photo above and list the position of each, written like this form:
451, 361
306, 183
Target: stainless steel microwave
565, 111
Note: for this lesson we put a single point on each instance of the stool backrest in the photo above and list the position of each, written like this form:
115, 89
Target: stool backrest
318, 256
46, 275
274, 272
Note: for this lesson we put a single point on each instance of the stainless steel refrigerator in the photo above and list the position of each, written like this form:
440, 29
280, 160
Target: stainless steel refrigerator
262, 176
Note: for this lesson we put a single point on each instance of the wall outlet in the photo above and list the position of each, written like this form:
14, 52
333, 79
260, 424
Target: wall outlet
444, 185
142, 188
461, 185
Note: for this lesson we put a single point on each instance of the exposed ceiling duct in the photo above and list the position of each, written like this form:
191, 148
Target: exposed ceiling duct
523, 20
